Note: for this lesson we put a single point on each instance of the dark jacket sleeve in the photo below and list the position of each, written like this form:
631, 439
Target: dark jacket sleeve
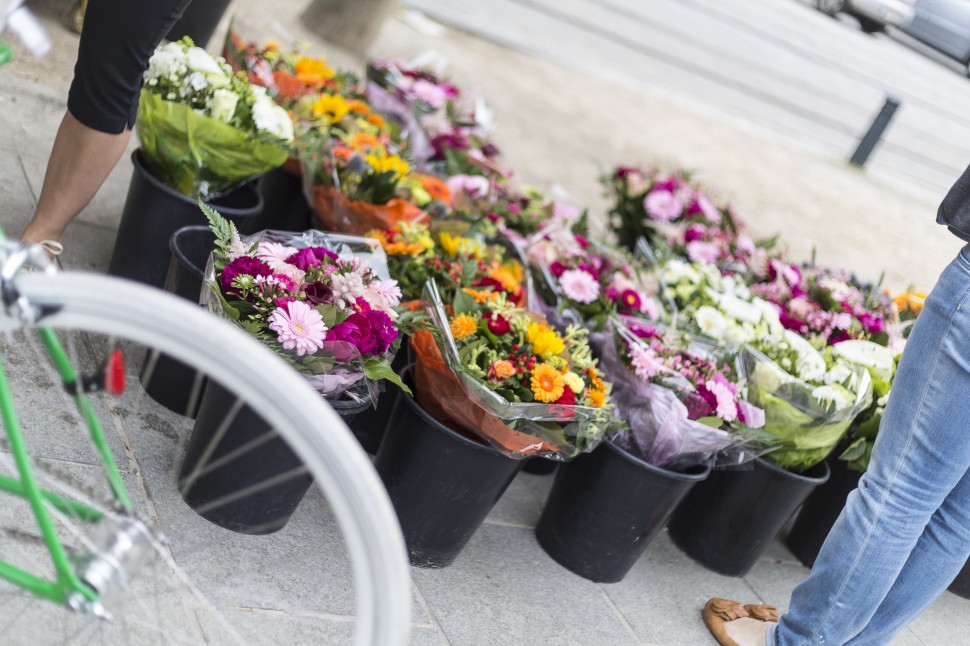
954, 211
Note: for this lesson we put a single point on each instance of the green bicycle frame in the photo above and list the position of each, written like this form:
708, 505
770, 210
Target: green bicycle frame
26, 486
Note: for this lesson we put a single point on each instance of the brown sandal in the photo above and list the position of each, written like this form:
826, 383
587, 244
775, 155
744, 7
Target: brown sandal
747, 621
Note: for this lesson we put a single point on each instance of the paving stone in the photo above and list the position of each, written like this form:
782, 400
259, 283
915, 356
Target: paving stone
503, 589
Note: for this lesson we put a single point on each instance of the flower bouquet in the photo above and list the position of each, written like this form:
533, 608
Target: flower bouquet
719, 307
830, 305
683, 403
809, 397
455, 138
502, 374
586, 282
881, 366
324, 303
204, 130
462, 267
289, 74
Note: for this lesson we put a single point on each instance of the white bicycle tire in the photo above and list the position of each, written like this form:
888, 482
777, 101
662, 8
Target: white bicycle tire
111, 306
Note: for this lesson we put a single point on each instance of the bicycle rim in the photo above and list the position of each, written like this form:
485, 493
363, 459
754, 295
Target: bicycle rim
317, 435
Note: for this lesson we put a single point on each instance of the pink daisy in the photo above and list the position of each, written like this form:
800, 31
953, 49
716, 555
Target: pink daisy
299, 327
579, 285
727, 407
703, 252
663, 205
645, 361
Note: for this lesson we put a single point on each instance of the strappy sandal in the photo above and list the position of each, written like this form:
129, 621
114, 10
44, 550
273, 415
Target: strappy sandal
728, 621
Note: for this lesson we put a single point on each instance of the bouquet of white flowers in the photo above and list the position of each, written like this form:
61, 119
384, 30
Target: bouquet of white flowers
809, 397
203, 129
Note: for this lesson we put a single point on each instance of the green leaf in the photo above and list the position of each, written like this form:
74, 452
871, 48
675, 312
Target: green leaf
378, 369
463, 303
329, 314
854, 451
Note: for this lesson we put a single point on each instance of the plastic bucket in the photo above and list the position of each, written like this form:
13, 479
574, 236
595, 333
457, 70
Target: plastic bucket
284, 205
370, 425
727, 522
604, 509
153, 212
820, 511
442, 484
255, 454
171, 383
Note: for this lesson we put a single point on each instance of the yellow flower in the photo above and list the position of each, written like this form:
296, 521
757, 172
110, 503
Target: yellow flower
574, 381
454, 245
384, 163
358, 106
547, 383
310, 69
463, 326
507, 275
331, 107
379, 235
596, 398
544, 340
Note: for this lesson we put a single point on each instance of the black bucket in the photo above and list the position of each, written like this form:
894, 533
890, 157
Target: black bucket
370, 425
168, 381
727, 522
540, 466
604, 509
442, 484
153, 212
284, 205
199, 21
254, 454
961, 584
820, 511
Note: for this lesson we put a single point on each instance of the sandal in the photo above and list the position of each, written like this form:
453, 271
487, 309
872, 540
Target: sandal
734, 624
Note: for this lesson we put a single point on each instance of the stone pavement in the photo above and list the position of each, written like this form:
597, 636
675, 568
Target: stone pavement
554, 124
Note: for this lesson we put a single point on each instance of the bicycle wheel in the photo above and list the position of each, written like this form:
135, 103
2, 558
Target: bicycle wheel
207, 584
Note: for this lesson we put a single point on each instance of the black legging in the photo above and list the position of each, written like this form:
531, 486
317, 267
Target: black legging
118, 38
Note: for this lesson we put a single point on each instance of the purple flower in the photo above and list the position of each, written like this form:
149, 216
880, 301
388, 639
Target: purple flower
694, 232
557, 268
589, 270
671, 184
444, 142
662, 204
319, 293
355, 330
631, 300
612, 293
383, 331
242, 266
871, 323
310, 257
490, 150
283, 301
582, 241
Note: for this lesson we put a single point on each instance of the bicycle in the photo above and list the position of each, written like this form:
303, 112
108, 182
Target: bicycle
92, 563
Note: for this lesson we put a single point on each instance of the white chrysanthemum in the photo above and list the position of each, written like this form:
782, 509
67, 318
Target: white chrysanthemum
838, 374
711, 322
196, 81
271, 118
168, 60
733, 307
809, 365
347, 288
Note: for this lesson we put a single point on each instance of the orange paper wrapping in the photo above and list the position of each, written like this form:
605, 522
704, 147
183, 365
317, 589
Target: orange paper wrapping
440, 392
337, 213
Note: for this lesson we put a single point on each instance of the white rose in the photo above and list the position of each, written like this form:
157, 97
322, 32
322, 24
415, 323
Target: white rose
737, 309
271, 118
838, 374
196, 81
223, 105
199, 60
711, 322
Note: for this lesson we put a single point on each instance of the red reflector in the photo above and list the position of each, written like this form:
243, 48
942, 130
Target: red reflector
114, 373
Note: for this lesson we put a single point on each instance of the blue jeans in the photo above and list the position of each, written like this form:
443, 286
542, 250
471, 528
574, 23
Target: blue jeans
904, 534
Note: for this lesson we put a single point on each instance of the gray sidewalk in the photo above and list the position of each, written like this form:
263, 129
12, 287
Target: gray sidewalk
503, 589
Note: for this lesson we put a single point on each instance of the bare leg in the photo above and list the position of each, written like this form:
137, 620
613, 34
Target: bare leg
80, 161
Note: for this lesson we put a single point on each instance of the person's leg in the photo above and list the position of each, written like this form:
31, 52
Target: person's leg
82, 158
921, 453
939, 556
118, 38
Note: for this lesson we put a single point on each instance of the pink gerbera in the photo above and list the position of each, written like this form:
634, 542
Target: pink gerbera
646, 363
579, 285
663, 205
299, 327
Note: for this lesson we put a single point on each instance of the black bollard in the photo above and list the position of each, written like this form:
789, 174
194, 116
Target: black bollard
872, 137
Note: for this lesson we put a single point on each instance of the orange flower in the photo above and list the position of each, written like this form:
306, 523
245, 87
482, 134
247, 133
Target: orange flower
363, 141
480, 296
379, 235
342, 152
501, 370
437, 189
358, 106
547, 383
272, 47
595, 379
375, 120
396, 248
312, 71
596, 398
463, 326
910, 301
510, 279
